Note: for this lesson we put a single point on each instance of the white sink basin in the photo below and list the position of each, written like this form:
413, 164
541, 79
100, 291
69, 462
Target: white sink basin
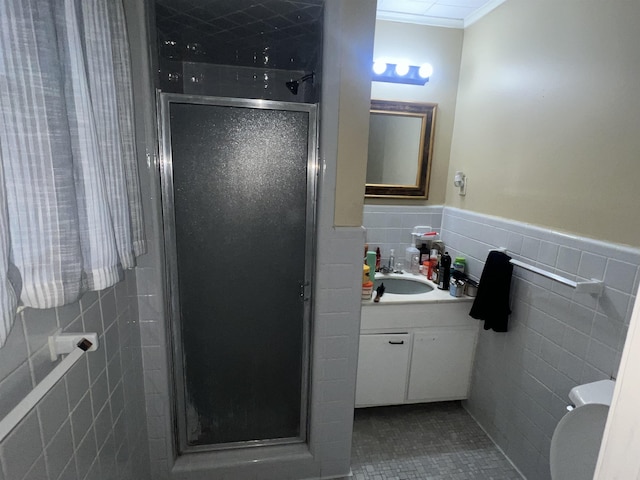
400, 285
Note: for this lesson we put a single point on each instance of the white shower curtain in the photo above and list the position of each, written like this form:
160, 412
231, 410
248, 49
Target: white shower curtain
71, 216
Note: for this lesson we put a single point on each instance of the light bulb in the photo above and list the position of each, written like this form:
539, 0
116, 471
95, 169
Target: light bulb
402, 69
379, 67
425, 71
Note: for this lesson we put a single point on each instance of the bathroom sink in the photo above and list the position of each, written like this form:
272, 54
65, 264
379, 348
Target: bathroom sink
402, 286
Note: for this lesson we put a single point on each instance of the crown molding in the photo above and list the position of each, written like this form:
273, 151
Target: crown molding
420, 19
440, 21
482, 11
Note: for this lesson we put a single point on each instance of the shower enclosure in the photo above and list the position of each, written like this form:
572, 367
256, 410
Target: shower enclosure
238, 184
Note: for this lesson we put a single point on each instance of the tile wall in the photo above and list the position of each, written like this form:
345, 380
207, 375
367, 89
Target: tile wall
244, 82
557, 338
336, 334
390, 227
91, 424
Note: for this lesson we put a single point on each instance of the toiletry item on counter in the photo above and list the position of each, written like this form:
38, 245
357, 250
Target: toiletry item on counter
415, 264
456, 288
367, 290
423, 234
379, 293
412, 259
365, 273
424, 253
371, 261
433, 264
378, 256
438, 245
424, 269
445, 272
392, 260
459, 264
471, 288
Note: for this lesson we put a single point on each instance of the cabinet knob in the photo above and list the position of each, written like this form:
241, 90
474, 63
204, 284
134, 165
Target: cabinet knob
399, 342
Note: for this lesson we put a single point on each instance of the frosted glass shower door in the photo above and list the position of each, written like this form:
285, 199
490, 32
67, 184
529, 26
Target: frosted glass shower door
238, 180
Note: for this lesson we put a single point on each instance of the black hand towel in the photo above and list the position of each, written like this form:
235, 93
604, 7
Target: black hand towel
492, 302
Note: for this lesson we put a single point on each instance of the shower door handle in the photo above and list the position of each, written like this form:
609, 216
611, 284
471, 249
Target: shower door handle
303, 291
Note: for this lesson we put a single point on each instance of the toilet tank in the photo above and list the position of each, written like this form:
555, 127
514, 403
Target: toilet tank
596, 392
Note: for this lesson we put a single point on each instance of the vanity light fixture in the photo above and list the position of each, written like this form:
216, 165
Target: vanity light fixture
401, 73
460, 181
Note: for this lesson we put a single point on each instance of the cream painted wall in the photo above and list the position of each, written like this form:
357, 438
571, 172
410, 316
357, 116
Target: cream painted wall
548, 116
357, 18
442, 48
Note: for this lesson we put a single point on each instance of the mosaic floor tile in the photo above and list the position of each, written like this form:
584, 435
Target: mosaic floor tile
432, 441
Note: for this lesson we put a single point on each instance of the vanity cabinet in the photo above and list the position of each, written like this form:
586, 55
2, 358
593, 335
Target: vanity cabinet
441, 364
415, 353
382, 369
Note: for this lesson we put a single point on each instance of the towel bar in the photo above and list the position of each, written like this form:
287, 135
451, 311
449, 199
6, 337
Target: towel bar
592, 286
589, 286
13, 418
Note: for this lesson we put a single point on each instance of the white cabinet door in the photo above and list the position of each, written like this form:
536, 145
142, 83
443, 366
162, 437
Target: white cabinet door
441, 364
382, 369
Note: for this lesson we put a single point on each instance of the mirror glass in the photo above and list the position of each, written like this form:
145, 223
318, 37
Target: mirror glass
400, 143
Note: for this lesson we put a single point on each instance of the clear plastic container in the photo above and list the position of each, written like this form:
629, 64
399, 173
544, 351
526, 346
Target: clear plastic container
412, 259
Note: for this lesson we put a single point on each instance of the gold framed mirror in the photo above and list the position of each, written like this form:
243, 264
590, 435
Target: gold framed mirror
400, 149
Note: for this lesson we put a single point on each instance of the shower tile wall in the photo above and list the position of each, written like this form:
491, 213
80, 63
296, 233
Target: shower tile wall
557, 338
390, 226
244, 82
91, 424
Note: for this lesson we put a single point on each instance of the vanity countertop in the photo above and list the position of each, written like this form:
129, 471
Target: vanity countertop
434, 296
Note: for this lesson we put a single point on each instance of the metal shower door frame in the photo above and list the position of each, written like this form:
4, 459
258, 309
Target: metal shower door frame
176, 367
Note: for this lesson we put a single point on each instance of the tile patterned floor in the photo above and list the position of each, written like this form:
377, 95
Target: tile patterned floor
434, 441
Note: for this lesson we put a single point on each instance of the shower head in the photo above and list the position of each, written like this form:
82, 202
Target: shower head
293, 85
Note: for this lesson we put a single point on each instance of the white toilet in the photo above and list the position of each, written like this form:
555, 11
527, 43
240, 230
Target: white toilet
576, 440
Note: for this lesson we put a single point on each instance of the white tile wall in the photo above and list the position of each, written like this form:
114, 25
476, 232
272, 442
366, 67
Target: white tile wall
557, 338
91, 424
390, 226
